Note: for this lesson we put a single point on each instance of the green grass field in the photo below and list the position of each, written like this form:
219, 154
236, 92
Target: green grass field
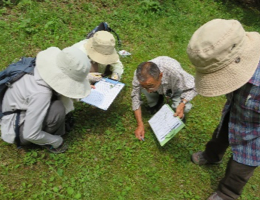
105, 160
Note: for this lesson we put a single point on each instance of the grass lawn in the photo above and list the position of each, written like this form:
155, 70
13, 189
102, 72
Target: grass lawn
105, 160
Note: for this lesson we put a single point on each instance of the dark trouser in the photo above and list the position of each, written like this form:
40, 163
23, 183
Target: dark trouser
54, 122
237, 175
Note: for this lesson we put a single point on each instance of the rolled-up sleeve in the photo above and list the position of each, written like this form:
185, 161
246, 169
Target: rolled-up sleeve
136, 93
117, 68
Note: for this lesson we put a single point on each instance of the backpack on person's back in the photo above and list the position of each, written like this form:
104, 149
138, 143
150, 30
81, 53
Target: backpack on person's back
8, 76
12, 73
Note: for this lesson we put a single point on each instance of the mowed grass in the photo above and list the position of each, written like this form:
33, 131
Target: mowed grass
105, 160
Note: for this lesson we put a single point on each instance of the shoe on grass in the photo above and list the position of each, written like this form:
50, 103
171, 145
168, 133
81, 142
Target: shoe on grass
61, 149
199, 159
214, 196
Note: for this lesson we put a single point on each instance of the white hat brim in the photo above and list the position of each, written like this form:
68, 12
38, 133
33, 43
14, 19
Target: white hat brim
49, 71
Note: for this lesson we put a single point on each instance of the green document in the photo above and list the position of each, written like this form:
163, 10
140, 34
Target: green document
165, 125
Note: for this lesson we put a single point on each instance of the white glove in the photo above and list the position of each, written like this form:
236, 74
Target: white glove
94, 77
115, 76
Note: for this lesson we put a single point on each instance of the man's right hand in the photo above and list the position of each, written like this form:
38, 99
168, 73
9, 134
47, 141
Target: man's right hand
139, 132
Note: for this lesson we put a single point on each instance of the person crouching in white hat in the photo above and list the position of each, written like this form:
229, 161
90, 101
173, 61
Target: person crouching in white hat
102, 54
42, 120
226, 59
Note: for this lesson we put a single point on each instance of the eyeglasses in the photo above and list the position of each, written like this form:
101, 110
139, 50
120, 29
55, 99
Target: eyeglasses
152, 85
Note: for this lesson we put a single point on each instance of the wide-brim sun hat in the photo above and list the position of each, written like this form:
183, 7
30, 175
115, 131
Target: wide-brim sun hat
65, 71
224, 55
101, 48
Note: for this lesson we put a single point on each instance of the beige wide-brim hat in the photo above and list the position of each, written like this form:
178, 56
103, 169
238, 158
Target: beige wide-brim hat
224, 55
65, 71
101, 48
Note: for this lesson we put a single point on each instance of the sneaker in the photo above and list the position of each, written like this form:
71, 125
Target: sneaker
215, 196
61, 149
199, 159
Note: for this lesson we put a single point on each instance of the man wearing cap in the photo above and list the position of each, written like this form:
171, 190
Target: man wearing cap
226, 59
158, 77
103, 56
42, 118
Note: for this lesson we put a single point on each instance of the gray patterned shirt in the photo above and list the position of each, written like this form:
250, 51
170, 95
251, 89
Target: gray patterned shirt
174, 78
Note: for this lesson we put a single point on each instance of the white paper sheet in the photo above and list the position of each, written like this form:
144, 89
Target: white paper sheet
163, 122
104, 93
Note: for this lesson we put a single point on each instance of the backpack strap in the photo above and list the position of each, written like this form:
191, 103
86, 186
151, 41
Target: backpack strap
118, 39
17, 128
103, 26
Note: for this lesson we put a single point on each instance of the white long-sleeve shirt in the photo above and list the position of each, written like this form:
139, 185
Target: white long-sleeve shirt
32, 95
116, 67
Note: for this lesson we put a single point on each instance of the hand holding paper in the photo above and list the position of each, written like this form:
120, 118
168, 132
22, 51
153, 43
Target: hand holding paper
165, 125
94, 77
105, 92
180, 111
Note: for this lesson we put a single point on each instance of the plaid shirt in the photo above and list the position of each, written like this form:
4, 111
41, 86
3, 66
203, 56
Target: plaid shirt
174, 78
244, 122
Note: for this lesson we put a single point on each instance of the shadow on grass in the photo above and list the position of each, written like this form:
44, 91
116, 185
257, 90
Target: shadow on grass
249, 10
216, 171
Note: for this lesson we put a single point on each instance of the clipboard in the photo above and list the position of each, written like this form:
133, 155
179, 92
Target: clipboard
105, 92
164, 125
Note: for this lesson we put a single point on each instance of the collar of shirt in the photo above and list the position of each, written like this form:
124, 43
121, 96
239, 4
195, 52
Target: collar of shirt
164, 82
165, 79
255, 80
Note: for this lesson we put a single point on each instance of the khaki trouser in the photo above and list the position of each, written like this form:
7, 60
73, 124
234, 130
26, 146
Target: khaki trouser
54, 122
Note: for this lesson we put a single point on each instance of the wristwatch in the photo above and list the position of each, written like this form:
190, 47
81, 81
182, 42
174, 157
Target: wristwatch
184, 101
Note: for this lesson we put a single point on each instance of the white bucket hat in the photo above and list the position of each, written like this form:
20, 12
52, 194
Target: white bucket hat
101, 48
65, 71
224, 55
